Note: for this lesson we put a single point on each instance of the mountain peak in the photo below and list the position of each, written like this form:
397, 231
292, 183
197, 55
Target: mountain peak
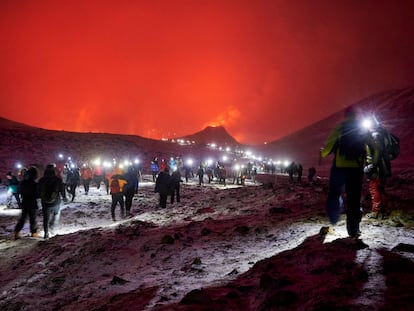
213, 134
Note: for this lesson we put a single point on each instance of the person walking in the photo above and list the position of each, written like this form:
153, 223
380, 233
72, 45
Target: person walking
163, 186
175, 186
299, 170
348, 142
154, 169
73, 182
29, 193
378, 174
130, 188
13, 187
200, 174
86, 174
116, 184
51, 191
64, 177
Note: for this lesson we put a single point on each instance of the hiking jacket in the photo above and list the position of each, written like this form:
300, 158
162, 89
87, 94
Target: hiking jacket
54, 184
30, 193
122, 182
175, 179
132, 181
332, 146
86, 173
163, 183
382, 168
13, 184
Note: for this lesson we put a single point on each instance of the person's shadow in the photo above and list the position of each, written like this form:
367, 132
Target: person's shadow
399, 278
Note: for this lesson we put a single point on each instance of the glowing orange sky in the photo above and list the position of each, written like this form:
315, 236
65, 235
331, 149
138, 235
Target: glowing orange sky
262, 69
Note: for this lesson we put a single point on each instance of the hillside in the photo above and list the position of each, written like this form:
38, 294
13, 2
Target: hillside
30, 145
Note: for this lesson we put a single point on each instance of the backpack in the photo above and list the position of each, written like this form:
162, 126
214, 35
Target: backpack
392, 148
352, 141
49, 191
389, 143
115, 187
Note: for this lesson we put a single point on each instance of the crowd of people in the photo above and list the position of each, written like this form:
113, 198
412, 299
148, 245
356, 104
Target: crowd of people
356, 151
59, 184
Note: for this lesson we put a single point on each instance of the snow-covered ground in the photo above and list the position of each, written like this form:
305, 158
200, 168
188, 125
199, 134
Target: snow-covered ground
256, 247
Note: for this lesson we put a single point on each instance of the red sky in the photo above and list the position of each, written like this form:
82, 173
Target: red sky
262, 69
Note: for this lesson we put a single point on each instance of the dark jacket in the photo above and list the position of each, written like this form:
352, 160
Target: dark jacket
163, 183
73, 177
132, 181
175, 179
29, 192
50, 186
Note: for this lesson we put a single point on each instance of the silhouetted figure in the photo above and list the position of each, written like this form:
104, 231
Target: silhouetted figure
73, 181
163, 186
51, 191
29, 192
299, 170
311, 174
175, 186
291, 170
200, 174
130, 188
13, 187
378, 174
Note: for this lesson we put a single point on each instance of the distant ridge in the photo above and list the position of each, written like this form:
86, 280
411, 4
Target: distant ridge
29, 145
213, 134
6, 123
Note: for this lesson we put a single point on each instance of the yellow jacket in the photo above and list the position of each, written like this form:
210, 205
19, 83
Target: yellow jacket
331, 146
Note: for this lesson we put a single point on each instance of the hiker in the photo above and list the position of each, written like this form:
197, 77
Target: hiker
64, 177
175, 186
86, 174
130, 188
348, 142
154, 169
163, 186
13, 186
311, 174
73, 180
29, 192
51, 191
116, 184
299, 170
200, 174
291, 169
378, 174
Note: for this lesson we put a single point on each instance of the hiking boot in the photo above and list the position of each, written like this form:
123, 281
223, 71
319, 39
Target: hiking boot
326, 230
355, 235
360, 244
386, 215
46, 236
372, 215
35, 235
16, 235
